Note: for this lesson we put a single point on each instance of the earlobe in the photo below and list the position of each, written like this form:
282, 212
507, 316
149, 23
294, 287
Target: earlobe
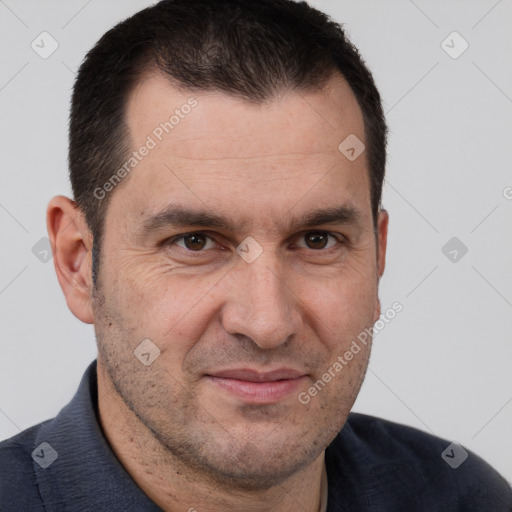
72, 248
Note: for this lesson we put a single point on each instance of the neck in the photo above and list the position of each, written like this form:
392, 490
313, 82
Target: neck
173, 486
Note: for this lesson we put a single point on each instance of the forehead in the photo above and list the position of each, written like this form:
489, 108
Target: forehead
314, 120
222, 151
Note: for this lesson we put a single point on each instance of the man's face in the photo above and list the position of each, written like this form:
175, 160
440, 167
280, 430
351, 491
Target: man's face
240, 338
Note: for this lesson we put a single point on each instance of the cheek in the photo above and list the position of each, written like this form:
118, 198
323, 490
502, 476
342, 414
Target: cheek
341, 306
171, 310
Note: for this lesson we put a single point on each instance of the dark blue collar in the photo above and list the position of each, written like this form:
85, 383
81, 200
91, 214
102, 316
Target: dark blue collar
86, 474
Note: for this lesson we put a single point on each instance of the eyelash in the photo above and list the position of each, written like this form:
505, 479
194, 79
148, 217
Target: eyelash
177, 238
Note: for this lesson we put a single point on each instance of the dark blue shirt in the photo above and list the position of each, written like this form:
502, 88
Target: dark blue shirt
66, 464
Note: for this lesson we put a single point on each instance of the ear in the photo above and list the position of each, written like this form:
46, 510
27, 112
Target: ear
382, 241
71, 242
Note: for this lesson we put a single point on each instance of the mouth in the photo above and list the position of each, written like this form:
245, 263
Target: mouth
252, 386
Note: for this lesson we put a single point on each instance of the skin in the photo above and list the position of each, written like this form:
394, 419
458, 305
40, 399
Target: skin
184, 440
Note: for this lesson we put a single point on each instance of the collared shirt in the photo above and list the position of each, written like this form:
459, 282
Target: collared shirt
66, 465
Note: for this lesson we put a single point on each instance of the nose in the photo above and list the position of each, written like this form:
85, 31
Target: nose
261, 305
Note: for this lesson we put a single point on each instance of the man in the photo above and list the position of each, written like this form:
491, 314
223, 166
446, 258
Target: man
226, 239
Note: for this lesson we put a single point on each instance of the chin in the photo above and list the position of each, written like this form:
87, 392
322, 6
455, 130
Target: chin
251, 462
255, 472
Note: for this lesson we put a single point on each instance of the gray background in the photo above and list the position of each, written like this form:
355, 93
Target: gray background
444, 363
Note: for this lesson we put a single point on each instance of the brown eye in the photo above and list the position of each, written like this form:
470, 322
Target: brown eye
316, 240
194, 241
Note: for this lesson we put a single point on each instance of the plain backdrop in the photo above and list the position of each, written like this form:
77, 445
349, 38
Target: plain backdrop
444, 363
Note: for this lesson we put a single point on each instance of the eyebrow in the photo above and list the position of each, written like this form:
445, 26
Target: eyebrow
181, 217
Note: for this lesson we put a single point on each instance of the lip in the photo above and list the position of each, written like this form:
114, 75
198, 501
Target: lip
252, 386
